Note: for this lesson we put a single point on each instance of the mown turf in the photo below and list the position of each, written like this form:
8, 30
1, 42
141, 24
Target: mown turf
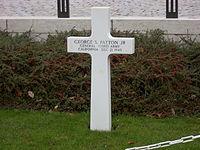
32, 130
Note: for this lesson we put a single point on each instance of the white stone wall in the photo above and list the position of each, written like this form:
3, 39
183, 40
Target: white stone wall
2, 24
51, 25
82, 8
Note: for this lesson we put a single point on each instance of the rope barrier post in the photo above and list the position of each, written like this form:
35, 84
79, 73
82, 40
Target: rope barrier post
171, 8
63, 8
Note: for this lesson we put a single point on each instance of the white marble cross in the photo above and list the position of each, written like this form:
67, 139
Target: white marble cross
100, 45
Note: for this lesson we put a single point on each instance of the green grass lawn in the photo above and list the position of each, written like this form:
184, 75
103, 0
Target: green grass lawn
32, 130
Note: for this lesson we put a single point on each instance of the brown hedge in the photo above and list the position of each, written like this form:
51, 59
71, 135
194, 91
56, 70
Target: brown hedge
162, 78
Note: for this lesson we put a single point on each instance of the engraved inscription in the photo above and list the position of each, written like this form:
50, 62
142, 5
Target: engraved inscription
100, 45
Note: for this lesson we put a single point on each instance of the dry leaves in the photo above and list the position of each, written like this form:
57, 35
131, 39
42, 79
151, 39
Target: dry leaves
31, 94
131, 143
19, 93
56, 107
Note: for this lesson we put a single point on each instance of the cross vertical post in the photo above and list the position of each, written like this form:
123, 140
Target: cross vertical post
100, 85
100, 45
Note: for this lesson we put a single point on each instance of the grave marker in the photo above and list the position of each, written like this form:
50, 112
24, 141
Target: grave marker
100, 45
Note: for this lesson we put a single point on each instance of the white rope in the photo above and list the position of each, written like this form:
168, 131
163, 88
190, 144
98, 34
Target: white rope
167, 143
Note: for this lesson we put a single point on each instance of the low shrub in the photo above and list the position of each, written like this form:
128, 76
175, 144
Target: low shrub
162, 78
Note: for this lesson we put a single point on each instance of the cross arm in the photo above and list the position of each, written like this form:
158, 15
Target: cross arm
122, 45
79, 45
